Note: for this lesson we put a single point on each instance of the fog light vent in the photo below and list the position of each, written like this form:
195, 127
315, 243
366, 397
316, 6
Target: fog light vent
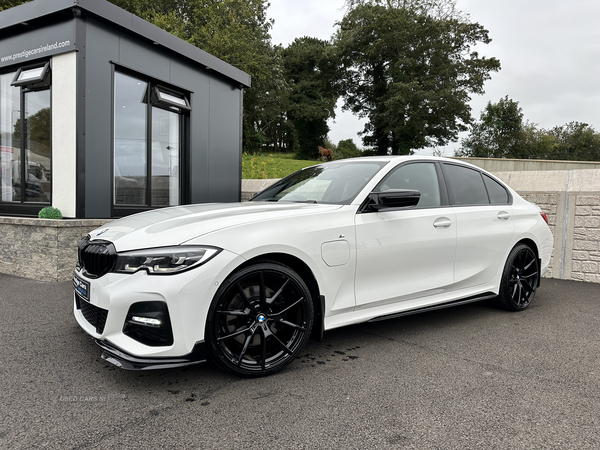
149, 323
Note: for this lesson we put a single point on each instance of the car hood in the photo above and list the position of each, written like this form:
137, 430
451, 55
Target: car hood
177, 225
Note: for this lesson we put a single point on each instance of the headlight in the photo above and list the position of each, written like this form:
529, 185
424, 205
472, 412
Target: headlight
165, 260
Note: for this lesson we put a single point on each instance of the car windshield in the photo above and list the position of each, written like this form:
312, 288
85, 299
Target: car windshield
337, 183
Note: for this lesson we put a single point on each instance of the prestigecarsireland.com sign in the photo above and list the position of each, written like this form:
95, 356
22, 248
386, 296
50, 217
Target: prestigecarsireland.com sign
26, 47
15, 57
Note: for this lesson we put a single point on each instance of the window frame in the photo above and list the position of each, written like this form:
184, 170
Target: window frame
159, 101
492, 179
22, 207
152, 100
39, 81
482, 174
444, 201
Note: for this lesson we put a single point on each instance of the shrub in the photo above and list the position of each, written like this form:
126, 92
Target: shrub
50, 213
346, 148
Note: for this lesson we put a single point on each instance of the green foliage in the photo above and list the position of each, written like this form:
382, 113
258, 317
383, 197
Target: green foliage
311, 69
328, 144
369, 152
346, 148
575, 141
411, 72
537, 143
499, 132
274, 165
439, 9
50, 213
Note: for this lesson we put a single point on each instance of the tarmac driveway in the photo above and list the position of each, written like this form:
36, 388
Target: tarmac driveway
471, 377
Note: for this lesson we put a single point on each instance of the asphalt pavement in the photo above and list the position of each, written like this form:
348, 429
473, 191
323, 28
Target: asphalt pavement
470, 377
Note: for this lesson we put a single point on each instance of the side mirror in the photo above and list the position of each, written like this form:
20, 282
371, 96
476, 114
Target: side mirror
390, 199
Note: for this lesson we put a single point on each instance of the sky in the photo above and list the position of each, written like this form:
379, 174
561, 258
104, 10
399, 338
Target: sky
549, 51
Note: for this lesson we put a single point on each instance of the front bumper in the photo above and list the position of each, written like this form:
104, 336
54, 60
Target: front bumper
187, 297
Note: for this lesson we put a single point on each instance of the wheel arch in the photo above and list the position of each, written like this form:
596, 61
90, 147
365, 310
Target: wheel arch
533, 246
530, 243
307, 275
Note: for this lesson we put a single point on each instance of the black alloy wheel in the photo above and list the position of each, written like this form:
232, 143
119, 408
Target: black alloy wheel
259, 320
519, 279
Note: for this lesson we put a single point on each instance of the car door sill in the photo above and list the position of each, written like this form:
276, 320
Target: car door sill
476, 298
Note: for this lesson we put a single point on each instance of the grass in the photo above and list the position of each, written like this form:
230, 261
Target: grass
272, 165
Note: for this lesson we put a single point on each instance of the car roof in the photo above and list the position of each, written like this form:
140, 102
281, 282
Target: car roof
402, 158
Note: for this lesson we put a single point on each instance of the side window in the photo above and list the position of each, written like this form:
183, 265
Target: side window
467, 185
497, 192
419, 176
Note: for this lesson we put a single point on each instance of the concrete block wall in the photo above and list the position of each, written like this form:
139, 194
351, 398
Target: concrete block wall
519, 165
585, 264
571, 200
42, 249
549, 205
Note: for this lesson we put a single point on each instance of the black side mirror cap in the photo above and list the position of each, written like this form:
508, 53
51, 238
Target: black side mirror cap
390, 199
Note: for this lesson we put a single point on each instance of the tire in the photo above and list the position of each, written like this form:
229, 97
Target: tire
259, 320
519, 279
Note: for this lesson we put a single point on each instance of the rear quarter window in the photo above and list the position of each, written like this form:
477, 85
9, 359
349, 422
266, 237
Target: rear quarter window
497, 192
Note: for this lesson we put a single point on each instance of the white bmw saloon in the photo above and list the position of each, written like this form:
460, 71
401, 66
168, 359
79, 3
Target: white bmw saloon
350, 241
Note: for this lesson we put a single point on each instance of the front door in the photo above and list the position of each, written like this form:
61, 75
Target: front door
406, 253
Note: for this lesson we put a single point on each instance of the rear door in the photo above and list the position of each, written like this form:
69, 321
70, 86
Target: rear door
484, 224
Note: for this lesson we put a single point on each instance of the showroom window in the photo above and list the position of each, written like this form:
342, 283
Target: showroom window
25, 138
148, 136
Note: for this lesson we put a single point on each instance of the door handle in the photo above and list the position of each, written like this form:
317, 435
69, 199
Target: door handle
503, 215
442, 222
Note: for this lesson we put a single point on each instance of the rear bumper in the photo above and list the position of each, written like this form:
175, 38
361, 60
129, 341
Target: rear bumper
124, 360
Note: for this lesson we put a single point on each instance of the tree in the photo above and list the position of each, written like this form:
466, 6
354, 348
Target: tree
575, 141
499, 132
346, 148
410, 71
439, 9
539, 144
311, 71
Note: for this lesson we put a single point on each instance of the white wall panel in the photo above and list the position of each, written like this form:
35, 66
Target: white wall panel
64, 139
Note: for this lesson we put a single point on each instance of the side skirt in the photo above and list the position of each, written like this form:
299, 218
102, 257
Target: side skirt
476, 298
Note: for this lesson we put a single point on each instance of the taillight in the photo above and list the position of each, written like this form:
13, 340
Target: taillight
545, 217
